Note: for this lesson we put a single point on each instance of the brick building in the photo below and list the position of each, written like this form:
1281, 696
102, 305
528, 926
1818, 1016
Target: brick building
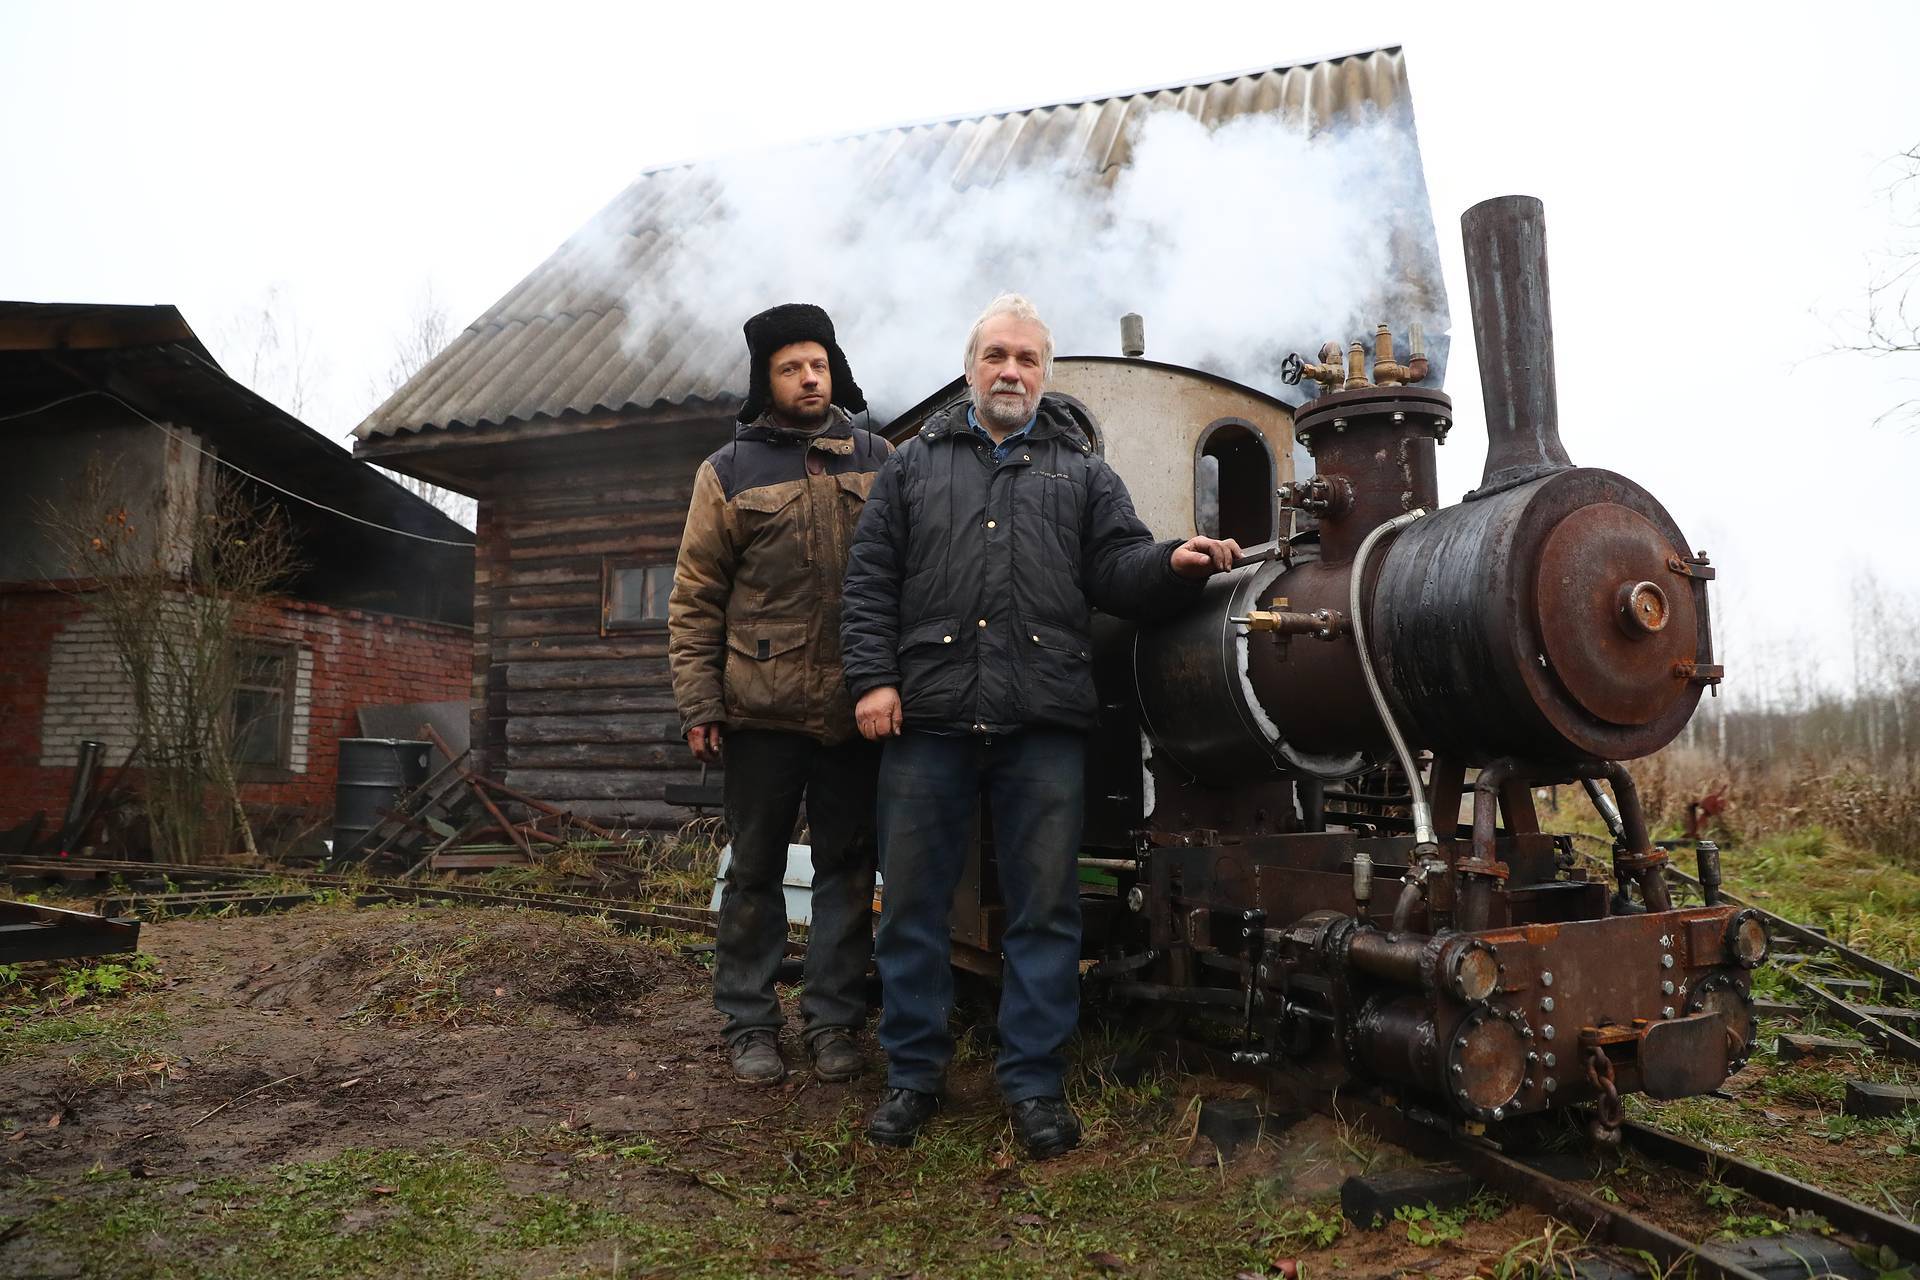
378, 613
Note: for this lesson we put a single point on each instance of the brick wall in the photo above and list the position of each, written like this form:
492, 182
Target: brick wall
60, 682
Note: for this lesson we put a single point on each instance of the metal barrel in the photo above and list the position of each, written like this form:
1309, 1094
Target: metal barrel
373, 773
1506, 248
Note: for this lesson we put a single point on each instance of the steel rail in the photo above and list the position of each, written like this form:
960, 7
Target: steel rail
1814, 940
1856, 1219
1894, 1041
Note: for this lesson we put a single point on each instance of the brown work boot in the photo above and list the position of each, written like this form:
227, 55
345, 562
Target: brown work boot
836, 1058
757, 1060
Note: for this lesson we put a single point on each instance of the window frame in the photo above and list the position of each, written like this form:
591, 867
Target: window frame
288, 653
611, 565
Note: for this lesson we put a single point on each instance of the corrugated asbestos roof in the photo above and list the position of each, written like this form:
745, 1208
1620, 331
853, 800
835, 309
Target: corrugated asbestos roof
561, 342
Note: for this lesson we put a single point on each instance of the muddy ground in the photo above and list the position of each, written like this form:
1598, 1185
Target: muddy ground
448, 1091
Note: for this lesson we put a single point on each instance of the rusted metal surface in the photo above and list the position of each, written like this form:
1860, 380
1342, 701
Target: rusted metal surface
1611, 634
1506, 246
1466, 641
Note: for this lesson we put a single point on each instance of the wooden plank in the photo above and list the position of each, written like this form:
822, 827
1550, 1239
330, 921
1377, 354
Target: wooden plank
641, 490
596, 755
610, 525
547, 573
622, 673
475, 861
559, 786
566, 596
663, 545
642, 729
588, 648
607, 702
639, 815
593, 514
511, 623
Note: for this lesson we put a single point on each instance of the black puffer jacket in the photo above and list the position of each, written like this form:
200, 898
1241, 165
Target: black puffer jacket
970, 584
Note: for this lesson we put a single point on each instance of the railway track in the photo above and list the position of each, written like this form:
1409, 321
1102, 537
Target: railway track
1832, 1235
1840, 1237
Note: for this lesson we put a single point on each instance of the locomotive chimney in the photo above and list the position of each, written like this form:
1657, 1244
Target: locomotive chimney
1506, 246
1133, 335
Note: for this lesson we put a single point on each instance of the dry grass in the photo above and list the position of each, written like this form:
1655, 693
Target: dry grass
1873, 809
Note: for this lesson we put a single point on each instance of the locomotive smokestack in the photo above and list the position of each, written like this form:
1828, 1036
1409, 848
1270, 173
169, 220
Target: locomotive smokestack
1133, 335
1506, 246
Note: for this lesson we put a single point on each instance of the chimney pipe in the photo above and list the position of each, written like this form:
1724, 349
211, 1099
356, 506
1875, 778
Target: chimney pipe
1133, 335
1506, 245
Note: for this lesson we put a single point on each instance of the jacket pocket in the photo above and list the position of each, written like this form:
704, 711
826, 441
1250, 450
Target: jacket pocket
766, 672
772, 510
1059, 670
933, 671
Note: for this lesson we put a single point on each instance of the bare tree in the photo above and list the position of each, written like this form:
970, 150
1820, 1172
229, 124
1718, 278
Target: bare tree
1890, 322
177, 603
268, 348
427, 333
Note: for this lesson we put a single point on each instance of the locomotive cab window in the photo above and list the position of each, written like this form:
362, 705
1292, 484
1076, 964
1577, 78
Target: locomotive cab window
1234, 484
633, 596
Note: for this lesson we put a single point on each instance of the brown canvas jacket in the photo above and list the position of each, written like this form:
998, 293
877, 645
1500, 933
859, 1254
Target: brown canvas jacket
753, 625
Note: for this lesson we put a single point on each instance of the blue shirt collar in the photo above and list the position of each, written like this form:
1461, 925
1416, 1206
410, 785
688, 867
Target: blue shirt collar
1001, 449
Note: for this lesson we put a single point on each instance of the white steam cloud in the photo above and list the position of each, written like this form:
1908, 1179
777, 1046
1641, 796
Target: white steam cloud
1237, 243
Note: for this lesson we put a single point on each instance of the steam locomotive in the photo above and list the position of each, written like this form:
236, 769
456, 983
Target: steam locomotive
1274, 835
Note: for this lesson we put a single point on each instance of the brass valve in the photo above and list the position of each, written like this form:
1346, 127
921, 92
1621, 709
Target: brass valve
1330, 372
1322, 624
1389, 373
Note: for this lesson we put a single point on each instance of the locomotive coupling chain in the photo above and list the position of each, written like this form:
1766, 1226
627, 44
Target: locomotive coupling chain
1608, 1111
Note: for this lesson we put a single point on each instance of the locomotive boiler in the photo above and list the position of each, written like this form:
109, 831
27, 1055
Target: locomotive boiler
1275, 840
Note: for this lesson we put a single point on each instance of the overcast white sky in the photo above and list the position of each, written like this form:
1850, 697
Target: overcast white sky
1715, 179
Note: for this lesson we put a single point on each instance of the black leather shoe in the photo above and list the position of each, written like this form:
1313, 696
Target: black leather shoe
1047, 1127
900, 1117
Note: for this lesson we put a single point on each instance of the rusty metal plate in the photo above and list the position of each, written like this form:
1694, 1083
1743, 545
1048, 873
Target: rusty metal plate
1685, 1056
1613, 617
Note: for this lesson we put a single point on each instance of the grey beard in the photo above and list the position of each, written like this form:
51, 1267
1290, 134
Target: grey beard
1000, 413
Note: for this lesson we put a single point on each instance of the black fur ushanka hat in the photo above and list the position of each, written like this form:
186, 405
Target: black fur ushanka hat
781, 326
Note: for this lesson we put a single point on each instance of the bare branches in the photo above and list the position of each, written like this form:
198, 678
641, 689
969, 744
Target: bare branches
1890, 322
426, 335
177, 586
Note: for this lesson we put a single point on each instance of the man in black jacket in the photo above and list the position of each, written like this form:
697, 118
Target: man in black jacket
984, 546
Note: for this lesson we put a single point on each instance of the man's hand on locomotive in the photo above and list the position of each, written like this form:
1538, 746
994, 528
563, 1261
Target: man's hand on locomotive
1203, 557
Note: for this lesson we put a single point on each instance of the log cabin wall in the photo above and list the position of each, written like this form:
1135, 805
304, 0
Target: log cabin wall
562, 711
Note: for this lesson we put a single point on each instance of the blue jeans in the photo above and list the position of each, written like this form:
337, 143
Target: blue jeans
930, 789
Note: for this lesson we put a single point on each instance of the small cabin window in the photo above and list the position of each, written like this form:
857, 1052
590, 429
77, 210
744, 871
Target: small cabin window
633, 595
1234, 484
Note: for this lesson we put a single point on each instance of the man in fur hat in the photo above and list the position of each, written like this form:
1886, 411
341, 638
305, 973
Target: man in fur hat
753, 639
